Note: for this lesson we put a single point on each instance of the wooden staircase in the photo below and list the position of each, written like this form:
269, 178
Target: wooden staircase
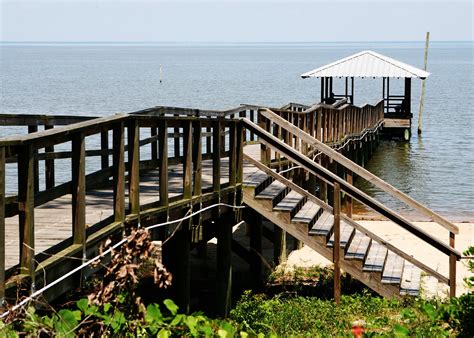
381, 269
363, 254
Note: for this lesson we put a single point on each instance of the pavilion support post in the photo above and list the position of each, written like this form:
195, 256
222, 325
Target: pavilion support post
423, 87
224, 264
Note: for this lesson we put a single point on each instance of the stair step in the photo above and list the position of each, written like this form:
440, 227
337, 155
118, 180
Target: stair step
272, 191
307, 213
290, 201
359, 245
375, 258
393, 269
346, 233
323, 225
411, 279
254, 179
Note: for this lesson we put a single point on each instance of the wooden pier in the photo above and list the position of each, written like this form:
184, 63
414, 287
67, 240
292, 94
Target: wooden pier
149, 167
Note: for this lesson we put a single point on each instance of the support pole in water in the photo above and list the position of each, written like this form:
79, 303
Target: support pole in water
161, 74
423, 86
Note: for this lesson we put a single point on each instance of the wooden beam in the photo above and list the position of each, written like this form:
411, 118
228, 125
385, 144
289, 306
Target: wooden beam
49, 165
133, 133
26, 196
452, 268
216, 156
187, 161
78, 190
163, 164
224, 265
119, 172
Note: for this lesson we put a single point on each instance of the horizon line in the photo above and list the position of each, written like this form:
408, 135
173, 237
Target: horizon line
224, 42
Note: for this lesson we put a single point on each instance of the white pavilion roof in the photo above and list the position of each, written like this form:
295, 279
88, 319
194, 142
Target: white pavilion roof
367, 64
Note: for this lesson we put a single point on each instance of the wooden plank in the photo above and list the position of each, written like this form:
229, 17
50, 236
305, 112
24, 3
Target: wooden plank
452, 267
375, 258
26, 208
78, 189
411, 280
360, 171
233, 154
393, 269
119, 172
163, 164
154, 144
187, 161
323, 225
358, 247
347, 232
272, 191
289, 202
133, 134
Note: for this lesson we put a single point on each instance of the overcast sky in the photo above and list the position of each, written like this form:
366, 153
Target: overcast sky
234, 21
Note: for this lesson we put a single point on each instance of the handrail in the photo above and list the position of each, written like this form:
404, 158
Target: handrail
356, 225
359, 195
360, 171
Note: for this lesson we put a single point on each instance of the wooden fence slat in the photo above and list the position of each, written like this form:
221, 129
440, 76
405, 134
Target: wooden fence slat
78, 190
133, 133
119, 172
49, 165
26, 196
163, 164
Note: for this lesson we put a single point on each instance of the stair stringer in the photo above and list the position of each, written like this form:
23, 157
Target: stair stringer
370, 279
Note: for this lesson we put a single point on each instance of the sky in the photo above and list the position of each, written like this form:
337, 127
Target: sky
234, 21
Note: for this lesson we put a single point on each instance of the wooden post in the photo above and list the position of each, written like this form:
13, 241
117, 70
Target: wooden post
104, 146
233, 154
78, 189
279, 245
163, 165
2, 227
349, 204
177, 144
224, 264
216, 156
423, 86
187, 161
34, 129
452, 268
337, 243
197, 234
49, 165
154, 144
256, 231
26, 207
119, 172
134, 167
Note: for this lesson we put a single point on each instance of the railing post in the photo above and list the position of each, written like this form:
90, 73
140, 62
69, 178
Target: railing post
163, 164
26, 208
216, 156
134, 167
78, 189
119, 172
154, 144
233, 154
104, 147
349, 180
176, 138
49, 164
187, 161
452, 267
2, 227
34, 129
197, 179
337, 243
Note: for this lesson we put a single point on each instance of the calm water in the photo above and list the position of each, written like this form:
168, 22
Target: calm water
436, 169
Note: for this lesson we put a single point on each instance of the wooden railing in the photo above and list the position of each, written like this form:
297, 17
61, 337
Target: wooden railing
194, 140
285, 147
